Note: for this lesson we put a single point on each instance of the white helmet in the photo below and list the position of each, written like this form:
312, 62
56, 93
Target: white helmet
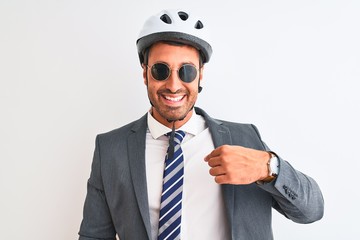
177, 26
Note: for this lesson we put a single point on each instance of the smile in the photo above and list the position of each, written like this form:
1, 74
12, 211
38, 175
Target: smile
174, 99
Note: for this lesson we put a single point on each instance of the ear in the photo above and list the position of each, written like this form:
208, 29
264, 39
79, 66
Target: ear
201, 71
144, 73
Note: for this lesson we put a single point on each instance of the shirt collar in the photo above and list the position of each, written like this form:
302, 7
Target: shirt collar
194, 126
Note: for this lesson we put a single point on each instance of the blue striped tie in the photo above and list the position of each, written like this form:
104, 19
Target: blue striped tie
171, 197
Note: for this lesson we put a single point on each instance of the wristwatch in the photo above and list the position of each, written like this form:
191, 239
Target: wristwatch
273, 165
273, 168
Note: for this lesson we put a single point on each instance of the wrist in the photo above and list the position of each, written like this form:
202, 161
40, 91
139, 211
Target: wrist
272, 168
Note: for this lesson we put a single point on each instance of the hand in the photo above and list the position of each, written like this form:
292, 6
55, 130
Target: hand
237, 165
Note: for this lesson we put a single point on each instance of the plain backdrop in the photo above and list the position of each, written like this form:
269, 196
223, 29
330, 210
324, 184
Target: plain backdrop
69, 70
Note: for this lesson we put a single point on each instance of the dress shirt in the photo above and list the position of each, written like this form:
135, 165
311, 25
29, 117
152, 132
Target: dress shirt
203, 212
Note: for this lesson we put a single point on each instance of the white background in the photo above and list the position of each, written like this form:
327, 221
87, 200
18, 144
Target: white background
69, 70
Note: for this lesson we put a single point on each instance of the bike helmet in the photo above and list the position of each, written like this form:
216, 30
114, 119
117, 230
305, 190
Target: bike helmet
178, 26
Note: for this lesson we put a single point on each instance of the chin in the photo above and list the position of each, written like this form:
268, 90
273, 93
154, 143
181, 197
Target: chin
174, 117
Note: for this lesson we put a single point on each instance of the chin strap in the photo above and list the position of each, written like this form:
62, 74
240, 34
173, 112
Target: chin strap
171, 141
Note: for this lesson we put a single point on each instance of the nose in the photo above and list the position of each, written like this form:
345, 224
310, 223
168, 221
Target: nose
173, 83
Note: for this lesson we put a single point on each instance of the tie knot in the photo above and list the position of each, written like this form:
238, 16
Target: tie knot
178, 137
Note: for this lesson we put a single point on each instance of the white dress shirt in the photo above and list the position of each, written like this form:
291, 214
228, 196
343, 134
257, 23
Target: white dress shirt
203, 211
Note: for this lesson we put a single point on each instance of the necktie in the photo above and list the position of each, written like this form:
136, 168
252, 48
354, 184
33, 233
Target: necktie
171, 197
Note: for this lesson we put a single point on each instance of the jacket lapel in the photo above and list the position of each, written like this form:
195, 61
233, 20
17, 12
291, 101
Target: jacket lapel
219, 133
221, 136
136, 151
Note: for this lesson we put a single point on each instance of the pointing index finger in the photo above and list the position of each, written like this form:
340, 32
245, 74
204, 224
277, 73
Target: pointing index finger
214, 153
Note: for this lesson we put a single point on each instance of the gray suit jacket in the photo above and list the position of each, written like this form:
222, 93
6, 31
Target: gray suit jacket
117, 201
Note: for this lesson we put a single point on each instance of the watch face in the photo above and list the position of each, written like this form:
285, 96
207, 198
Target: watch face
274, 166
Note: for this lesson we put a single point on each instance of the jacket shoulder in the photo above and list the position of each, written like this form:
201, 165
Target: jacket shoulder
124, 131
244, 128
245, 134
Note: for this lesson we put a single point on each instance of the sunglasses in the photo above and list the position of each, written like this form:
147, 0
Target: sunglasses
161, 72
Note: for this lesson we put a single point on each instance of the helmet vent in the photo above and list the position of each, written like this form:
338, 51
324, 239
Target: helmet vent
199, 25
183, 15
166, 19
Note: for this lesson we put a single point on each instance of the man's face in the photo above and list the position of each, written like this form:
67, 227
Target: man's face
172, 98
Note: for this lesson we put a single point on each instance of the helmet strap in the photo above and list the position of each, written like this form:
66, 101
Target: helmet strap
171, 141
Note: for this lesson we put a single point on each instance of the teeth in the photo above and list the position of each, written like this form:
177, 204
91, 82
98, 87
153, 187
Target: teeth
173, 99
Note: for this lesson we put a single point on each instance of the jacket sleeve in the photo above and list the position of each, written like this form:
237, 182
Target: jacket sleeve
97, 222
296, 195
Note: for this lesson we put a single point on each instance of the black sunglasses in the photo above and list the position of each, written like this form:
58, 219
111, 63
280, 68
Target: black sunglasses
161, 72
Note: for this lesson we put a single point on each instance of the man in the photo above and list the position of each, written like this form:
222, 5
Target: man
176, 173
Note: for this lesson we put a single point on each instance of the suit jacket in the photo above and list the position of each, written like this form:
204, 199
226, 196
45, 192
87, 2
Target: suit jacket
117, 202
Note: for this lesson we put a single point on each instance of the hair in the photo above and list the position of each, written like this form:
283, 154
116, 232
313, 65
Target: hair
173, 43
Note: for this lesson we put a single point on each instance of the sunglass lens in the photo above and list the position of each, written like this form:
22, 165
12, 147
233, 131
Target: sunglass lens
187, 73
160, 71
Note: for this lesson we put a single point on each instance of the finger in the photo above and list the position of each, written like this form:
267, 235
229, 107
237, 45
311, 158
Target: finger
216, 171
214, 153
221, 179
214, 161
